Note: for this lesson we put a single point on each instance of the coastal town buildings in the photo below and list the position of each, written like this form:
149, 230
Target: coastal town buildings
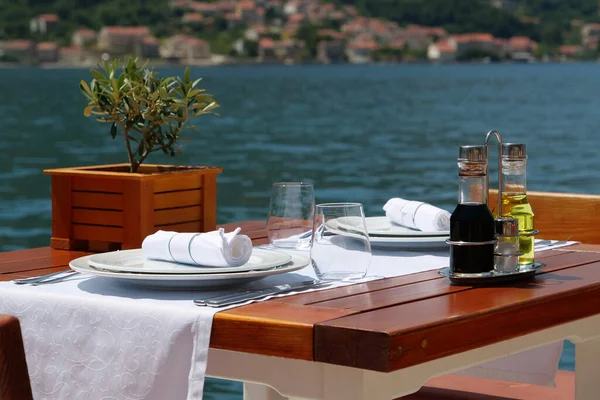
282, 31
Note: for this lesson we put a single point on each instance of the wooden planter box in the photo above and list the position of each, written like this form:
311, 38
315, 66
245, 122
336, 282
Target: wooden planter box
100, 208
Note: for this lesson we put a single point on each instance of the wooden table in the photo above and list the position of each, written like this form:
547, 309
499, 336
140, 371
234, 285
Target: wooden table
385, 338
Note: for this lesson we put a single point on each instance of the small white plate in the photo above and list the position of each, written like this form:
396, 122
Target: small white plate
135, 261
188, 281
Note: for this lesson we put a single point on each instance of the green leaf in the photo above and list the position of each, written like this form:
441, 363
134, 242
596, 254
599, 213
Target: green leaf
88, 110
186, 75
98, 75
211, 106
85, 88
113, 130
197, 81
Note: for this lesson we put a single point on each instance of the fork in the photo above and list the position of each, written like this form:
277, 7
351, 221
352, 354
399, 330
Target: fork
53, 277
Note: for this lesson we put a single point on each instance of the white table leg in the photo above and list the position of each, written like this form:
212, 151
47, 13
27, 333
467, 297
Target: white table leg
254, 391
587, 378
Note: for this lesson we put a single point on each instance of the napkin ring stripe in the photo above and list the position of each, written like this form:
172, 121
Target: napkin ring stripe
169, 247
415, 213
190, 248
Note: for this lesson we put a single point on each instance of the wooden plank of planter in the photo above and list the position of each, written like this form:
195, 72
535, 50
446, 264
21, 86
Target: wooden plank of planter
177, 215
138, 210
184, 181
103, 201
97, 217
182, 198
98, 233
209, 202
193, 226
440, 326
97, 184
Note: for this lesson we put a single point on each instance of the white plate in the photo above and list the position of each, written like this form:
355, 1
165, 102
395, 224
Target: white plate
134, 261
409, 243
382, 226
188, 281
424, 241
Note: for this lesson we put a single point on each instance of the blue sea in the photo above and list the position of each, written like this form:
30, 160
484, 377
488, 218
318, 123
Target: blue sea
359, 133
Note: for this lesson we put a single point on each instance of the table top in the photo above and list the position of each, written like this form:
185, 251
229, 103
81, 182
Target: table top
387, 324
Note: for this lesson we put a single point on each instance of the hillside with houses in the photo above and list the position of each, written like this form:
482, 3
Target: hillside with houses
292, 31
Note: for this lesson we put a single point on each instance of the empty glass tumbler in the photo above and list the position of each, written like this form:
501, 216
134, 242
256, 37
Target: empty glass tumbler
291, 211
340, 248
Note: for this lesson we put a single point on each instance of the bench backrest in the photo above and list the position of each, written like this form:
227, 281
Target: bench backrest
563, 216
14, 379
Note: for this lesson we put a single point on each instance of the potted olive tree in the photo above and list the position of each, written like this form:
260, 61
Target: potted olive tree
109, 207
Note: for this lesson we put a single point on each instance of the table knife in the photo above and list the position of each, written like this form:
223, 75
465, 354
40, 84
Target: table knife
233, 298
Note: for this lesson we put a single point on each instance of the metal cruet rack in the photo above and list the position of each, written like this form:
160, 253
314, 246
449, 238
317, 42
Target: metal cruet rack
495, 273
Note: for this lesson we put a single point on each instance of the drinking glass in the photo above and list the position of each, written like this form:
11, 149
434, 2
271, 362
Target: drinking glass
291, 212
340, 248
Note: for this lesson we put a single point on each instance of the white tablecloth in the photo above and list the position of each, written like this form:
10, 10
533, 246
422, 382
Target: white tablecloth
90, 338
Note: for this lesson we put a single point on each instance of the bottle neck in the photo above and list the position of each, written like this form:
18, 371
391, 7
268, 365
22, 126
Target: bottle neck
472, 189
514, 177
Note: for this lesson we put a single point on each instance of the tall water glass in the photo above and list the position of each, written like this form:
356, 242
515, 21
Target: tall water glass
291, 212
340, 248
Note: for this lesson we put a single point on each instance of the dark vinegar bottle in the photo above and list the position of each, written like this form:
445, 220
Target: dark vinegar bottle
472, 222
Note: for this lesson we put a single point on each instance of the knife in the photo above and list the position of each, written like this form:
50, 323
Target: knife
234, 298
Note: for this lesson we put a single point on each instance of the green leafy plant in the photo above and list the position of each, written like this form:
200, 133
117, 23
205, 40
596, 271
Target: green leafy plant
149, 111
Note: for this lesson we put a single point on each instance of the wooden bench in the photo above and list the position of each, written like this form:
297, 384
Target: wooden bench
563, 216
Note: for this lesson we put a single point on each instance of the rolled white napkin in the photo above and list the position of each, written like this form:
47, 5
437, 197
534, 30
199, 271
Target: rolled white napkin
417, 215
213, 249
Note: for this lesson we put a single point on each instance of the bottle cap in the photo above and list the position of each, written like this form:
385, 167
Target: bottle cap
507, 226
472, 153
514, 151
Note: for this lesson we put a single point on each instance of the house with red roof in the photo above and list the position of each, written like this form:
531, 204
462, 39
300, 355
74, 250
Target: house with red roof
466, 42
361, 49
590, 33
206, 9
192, 18
186, 49
47, 52
121, 39
441, 51
569, 51
83, 37
71, 55
44, 23
148, 47
331, 51
19, 49
266, 50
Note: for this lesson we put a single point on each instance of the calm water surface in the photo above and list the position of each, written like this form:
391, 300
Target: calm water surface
359, 133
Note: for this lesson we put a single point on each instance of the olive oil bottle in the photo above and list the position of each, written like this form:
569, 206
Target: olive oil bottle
516, 205
514, 197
